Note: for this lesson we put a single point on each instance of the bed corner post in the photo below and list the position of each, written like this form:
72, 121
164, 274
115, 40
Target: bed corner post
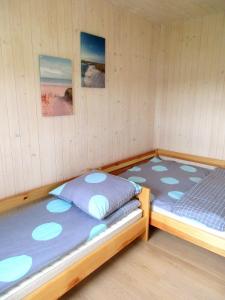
145, 200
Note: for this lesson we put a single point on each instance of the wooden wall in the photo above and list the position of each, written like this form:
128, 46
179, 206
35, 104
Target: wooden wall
108, 124
190, 93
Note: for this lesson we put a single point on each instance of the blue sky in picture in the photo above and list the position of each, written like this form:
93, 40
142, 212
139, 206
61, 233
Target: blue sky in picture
92, 48
55, 68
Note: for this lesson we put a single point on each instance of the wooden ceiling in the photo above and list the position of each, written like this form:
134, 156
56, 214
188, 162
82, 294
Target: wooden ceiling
166, 11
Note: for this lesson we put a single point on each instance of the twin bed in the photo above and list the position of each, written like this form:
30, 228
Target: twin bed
49, 246
181, 178
164, 182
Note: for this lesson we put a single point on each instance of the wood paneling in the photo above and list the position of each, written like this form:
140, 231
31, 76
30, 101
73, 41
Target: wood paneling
190, 88
41, 192
108, 124
167, 11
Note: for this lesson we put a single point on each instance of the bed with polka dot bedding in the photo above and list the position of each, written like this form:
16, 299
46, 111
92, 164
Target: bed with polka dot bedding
168, 180
35, 236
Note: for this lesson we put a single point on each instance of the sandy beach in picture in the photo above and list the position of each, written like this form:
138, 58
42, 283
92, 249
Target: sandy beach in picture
55, 100
56, 86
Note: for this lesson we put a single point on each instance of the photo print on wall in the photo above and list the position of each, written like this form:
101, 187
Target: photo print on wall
56, 86
92, 49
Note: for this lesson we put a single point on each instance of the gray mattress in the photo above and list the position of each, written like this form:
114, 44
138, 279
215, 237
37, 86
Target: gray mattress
168, 180
35, 236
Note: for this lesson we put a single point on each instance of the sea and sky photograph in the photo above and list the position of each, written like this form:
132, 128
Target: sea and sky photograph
56, 86
92, 61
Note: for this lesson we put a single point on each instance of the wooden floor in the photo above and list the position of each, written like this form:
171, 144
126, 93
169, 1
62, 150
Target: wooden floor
163, 268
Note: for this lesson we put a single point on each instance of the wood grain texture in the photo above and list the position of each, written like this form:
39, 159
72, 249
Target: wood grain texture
190, 87
24, 198
145, 199
192, 158
167, 11
106, 124
189, 233
127, 163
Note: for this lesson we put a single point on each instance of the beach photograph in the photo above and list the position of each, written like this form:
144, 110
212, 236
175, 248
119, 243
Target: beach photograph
92, 61
56, 86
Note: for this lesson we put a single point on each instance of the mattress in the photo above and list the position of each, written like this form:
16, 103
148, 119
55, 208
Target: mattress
32, 283
168, 180
35, 236
189, 222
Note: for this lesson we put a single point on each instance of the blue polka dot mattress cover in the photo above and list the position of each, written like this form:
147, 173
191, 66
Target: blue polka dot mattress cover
167, 179
171, 182
35, 236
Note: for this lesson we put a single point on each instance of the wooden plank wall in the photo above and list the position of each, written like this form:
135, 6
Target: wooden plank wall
164, 12
108, 125
190, 93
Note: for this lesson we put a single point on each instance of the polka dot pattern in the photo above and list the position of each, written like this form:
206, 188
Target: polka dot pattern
58, 206
135, 169
95, 178
60, 225
155, 160
189, 169
137, 179
46, 231
159, 168
96, 230
14, 268
169, 180
98, 206
176, 195
65, 218
138, 188
58, 190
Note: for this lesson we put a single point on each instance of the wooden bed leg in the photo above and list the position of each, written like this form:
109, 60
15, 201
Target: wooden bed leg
145, 199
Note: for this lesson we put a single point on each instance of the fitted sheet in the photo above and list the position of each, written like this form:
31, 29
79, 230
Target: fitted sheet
46, 274
189, 221
168, 180
35, 236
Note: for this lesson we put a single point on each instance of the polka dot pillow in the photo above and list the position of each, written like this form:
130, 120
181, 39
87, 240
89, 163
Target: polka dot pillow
97, 193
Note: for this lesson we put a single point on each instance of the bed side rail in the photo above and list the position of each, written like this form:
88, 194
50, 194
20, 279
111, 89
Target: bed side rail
192, 158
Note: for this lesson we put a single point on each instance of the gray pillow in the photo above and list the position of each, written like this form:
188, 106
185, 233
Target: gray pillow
97, 193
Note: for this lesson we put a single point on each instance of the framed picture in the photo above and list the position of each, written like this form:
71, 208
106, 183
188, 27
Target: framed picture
56, 86
92, 60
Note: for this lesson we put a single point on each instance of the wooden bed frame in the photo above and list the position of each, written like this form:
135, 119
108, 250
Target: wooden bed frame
185, 231
76, 272
81, 269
